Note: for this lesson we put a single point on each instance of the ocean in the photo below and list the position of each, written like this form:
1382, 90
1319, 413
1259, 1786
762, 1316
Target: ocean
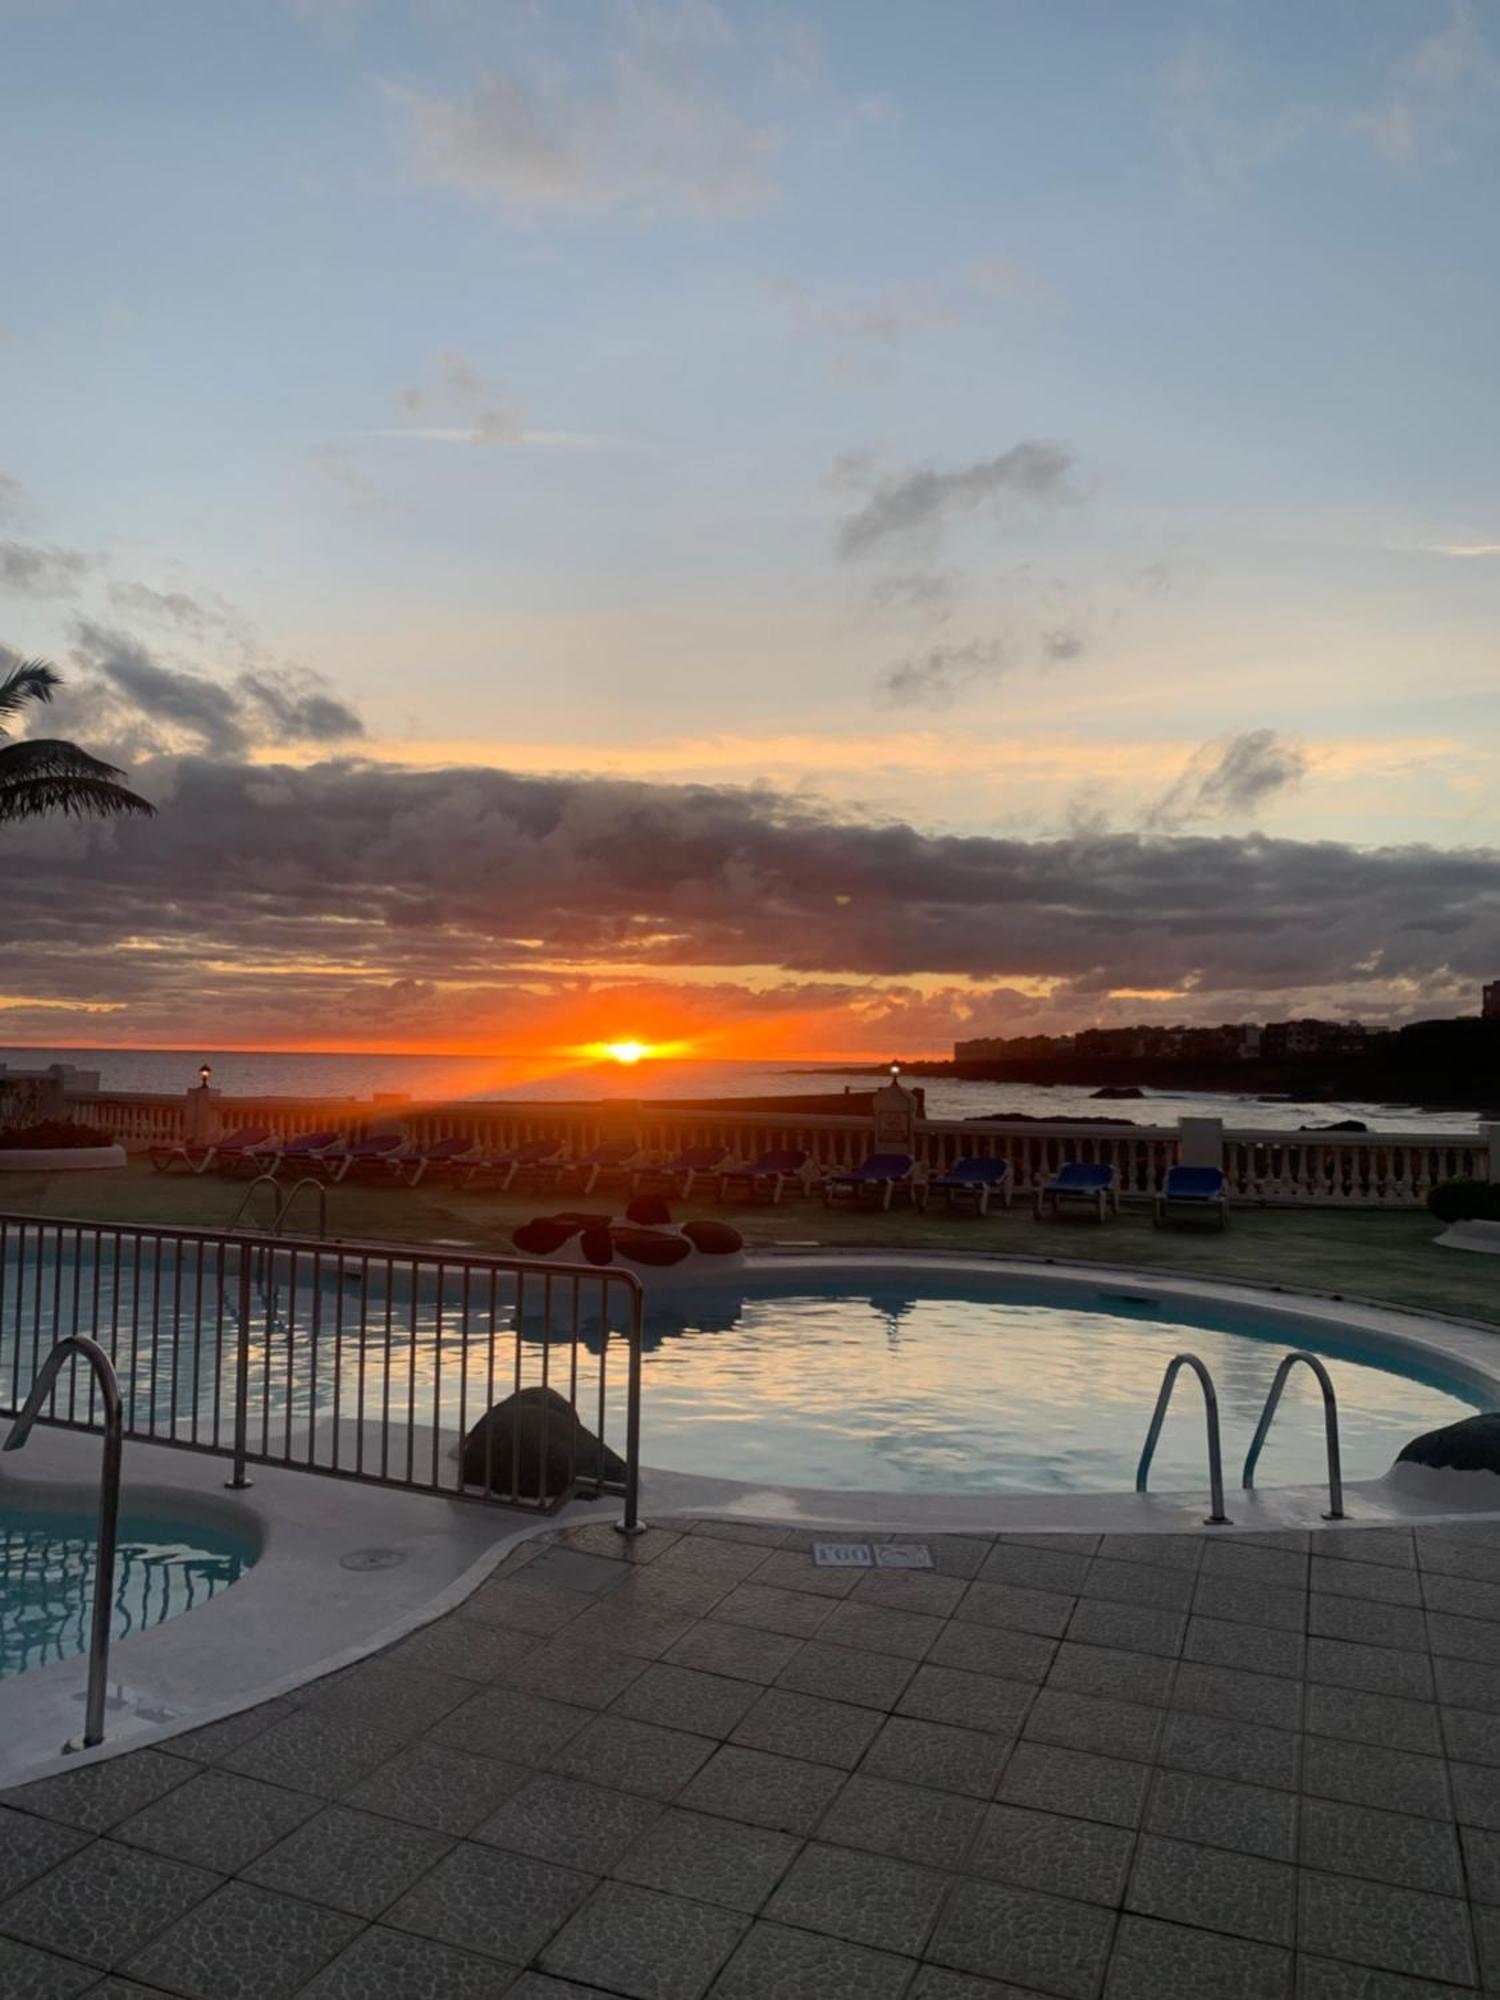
443, 1078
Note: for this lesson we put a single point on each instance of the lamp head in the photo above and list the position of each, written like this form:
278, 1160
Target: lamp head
205, 1071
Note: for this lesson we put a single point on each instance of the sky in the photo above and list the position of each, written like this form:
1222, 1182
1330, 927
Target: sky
808, 529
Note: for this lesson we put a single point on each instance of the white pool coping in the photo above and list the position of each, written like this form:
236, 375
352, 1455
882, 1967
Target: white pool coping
298, 1613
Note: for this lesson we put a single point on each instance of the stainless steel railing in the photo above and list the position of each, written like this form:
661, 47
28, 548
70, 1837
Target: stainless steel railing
283, 1200
366, 1361
1218, 1518
1330, 1429
78, 1346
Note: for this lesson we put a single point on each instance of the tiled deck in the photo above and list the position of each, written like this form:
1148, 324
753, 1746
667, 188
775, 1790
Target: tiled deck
1153, 1768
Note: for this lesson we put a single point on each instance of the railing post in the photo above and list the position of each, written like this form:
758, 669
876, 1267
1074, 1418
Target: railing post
1330, 1429
1218, 1518
631, 1522
242, 1375
1489, 1139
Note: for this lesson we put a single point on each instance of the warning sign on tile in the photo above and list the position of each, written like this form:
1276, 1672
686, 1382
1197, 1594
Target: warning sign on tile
903, 1555
842, 1555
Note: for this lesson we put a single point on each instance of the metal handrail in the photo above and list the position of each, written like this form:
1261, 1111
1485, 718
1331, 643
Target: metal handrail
284, 1202
109, 1507
1330, 1429
247, 1202
1218, 1518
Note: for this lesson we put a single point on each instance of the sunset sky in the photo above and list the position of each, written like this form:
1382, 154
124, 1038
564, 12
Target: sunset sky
799, 529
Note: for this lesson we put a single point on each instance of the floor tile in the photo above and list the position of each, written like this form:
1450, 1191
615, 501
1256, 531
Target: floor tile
687, 1698
1365, 1579
1078, 1858
1241, 1562
937, 1755
319, 1754
1161, 1961
1035, 1569
466, 1647
1138, 1583
1215, 1812
1210, 1889
104, 1902
779, 1792
581, 1676
1471, 1735
753, 1534
1371, 1923
394, 1965
634, 1756
29, 1974
355, 1861
1382, 1719
794, 1613
988, 1649
1366, 1621
715, 1860
1105, 1670
1396, 1780
641, 1943
523, 1605
1382, 1846
213, 1741
907, 1634
30, 1846
702, 1555
1268, 1699
1075, 1782
1033, 1940
579, 1825
1217, 1642
217, 1820
430, 1785
1466, 1684
98, 1796
775, 1963
794, 1569
516, 1727
740, 1651
1043, 1611
1336, 1979
908, 1821
1464, 1638
865, 1898
244, 1941
1389, 1547
1132, 1628
1165, 1551
802, 1725
1476, 1794
380, 1694
839, 1673
910, 1590
1087, 1722
1375, 1669
969, 1701
483, 1899
1481, 1850
1243, 1751
1263, 1605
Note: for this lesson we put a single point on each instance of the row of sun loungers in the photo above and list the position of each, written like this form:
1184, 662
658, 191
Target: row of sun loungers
967, 1186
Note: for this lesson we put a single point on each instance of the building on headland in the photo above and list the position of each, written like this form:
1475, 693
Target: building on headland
1490, 1009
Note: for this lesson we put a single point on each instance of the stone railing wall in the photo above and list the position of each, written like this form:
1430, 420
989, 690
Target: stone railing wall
1262, 1166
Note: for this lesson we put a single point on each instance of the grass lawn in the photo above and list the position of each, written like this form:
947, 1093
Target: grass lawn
1389, 1256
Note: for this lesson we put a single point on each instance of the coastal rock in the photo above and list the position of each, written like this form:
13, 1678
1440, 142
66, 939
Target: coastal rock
1471, 1445
533, 1443
1120, 1090
1340, 1125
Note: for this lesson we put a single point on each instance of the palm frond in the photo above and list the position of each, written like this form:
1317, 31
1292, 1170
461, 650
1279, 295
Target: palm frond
50, 757
28, 680
75, 797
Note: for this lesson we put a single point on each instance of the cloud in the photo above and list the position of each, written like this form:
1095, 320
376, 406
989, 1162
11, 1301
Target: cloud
1230, 780
15, 501
916, 504
1062, 644
336, 463
884, 318
200, 616
142, 697
455, 387
27, 571
1461, 549
332, 893
935, 678
660, 134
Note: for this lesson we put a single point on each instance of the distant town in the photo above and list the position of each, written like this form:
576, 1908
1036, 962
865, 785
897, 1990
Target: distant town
1453, 1062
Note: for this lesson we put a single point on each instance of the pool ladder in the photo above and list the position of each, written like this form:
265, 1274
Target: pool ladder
1218, 1518
78, 1346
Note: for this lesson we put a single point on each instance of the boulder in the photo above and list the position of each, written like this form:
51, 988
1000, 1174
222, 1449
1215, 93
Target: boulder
571, 1452
1471, 1445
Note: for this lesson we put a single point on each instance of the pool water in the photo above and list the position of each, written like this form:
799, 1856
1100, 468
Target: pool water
47, 1568
978, 1388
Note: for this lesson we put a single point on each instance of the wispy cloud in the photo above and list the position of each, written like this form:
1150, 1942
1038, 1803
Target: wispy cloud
917, 503
1230, 780
1459, 548
454, 384
29, 571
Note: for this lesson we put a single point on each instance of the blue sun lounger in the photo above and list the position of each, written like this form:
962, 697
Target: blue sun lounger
677, 1176
1079, 1181
881, 1173
766, 1176
1193, 1191
976, 1181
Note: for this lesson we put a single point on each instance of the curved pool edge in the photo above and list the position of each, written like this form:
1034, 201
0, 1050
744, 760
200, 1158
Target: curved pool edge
295, 1617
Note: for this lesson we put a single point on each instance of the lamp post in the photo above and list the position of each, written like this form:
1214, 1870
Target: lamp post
205, 1071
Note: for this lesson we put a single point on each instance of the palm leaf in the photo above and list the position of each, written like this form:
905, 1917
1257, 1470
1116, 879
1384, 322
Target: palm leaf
76, 797
50, 757
27, 680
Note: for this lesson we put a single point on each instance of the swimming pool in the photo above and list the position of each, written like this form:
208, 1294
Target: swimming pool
929, 1383
47, 1568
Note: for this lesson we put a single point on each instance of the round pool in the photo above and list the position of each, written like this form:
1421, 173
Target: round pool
930, 1381
47, 1567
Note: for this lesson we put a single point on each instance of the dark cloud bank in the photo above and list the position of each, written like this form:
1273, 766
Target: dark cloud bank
484, 876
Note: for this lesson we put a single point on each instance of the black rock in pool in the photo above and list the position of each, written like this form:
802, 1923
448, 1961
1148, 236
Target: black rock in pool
1470, 1445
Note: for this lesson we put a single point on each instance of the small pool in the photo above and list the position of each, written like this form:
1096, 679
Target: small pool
47, 1565
936, 1383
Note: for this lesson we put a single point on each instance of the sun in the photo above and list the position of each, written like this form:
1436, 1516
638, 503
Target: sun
624, 1052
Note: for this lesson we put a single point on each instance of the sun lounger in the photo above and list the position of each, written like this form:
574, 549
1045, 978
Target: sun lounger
540, 1157
378, 1156
1092, 1186
1193, 1191
881, 1174
443, 1156
615, 1160
764, 1178
303, 1151
976, 1181
677, 1176
197, 1156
